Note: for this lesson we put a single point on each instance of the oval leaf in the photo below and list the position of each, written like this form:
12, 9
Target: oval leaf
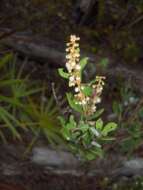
87, 91
63, 74
83, 62
99, 124
108, 128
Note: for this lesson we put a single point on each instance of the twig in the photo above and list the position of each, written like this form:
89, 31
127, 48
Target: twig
135, 21
135, 112
6, 34
56, 99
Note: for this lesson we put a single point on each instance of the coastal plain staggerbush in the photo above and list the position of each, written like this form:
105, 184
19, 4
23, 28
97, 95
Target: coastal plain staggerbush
85, 133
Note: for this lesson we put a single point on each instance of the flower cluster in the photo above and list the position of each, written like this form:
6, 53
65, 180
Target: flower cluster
72, 63
96, 95
74, 69
89, 102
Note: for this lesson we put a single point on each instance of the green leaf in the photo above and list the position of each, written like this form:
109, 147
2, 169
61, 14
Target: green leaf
83, 127
96, 114
72, 103
97, 151
93, 153
94, 143
87, 91
30, 92
76, 135
2, 136
11, 101
108, 128
9, 120
107, 138
62, 121
140, 112
72, 121
9, 82
117, 108
99, 124
95, 131
83, 62
70, 126
92, 82
66, 133
86, 139
63, 74
104, 62
5, 59
90, 156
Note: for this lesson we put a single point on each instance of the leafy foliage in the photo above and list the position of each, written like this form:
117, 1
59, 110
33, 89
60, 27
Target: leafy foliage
128, 113
7, 119
41, 118
21, 108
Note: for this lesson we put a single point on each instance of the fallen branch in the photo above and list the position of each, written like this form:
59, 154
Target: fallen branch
45, 50
33, 49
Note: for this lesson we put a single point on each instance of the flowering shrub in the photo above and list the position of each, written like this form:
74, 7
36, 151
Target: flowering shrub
86, 133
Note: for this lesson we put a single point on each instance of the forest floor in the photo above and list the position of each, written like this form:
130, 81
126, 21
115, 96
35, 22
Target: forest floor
53, 20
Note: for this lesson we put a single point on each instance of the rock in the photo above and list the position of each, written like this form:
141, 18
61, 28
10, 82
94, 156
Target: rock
134, 164
53, 158
130, 168
10, 169
60, 172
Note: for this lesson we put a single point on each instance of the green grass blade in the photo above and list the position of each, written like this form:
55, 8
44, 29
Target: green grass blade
5, 116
